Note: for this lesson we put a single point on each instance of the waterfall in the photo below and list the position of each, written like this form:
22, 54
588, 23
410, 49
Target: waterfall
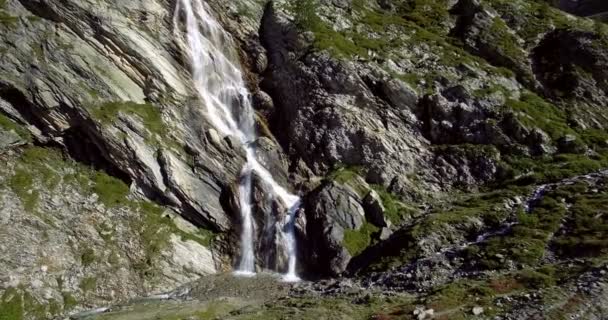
220, 85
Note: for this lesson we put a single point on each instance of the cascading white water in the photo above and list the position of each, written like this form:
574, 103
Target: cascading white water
221, 87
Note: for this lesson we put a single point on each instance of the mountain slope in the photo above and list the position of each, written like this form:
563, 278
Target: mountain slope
442, 150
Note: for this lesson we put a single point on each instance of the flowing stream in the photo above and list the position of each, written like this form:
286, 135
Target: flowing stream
220, 85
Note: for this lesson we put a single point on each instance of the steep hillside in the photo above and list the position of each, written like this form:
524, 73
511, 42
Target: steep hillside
450, 157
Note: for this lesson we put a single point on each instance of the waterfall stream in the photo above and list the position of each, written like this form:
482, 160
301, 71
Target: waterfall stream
219, 82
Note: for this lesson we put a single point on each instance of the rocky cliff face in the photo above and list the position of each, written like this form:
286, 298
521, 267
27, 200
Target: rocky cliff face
441, 149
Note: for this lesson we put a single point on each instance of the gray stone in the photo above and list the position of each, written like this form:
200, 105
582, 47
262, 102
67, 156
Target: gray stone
374, 210
477, 311
330, 210
400, 95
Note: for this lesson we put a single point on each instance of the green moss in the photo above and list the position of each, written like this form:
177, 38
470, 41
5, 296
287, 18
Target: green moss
36, 166
69, 302
533, 18
48, 166
343, 175
430, 15
54, 307
88, 284
585, 226
8, 124
34, 309
457, 294
395, 210
485, 206
526, 243
536, 170
112, 191
350, 176
155, 229
535, 112
355, 241
7, 20
22, 184
87, 257
537, 279
505, 41
149, 114
11, 305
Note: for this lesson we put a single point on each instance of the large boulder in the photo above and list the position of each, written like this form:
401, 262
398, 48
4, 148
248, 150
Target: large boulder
330, 210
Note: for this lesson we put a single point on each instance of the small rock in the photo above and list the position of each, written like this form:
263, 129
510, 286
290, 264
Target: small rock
385, 233
477, 311
374, 210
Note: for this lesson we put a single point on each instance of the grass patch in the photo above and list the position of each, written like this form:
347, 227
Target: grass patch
8, 124
7, 20
88, 284
535, 112
112, 191
586, 226
109, 112
526, 242
87, 257
155, 230
22, 184
395, 210
48, 166
546, 169
355, 241
350, 176
69, 302
149, 115
11, 305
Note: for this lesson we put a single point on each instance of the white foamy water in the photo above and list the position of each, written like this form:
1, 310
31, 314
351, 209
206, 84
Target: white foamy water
220, 85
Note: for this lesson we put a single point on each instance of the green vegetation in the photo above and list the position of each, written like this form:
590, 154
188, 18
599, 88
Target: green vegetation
88, 284
449, 222
458, 298
34, 309
535, 170
8, 124
355, 241
586, 225
457, 294
534, 112
488, 207
525, 244
395, 210
7, 20
22, 184
11, 305
112, 191
108, 113
69, 302
149, 114
87, 257
534, 18
36, 165
45, 169
155, 229
350, 176
582, 232
429, 15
